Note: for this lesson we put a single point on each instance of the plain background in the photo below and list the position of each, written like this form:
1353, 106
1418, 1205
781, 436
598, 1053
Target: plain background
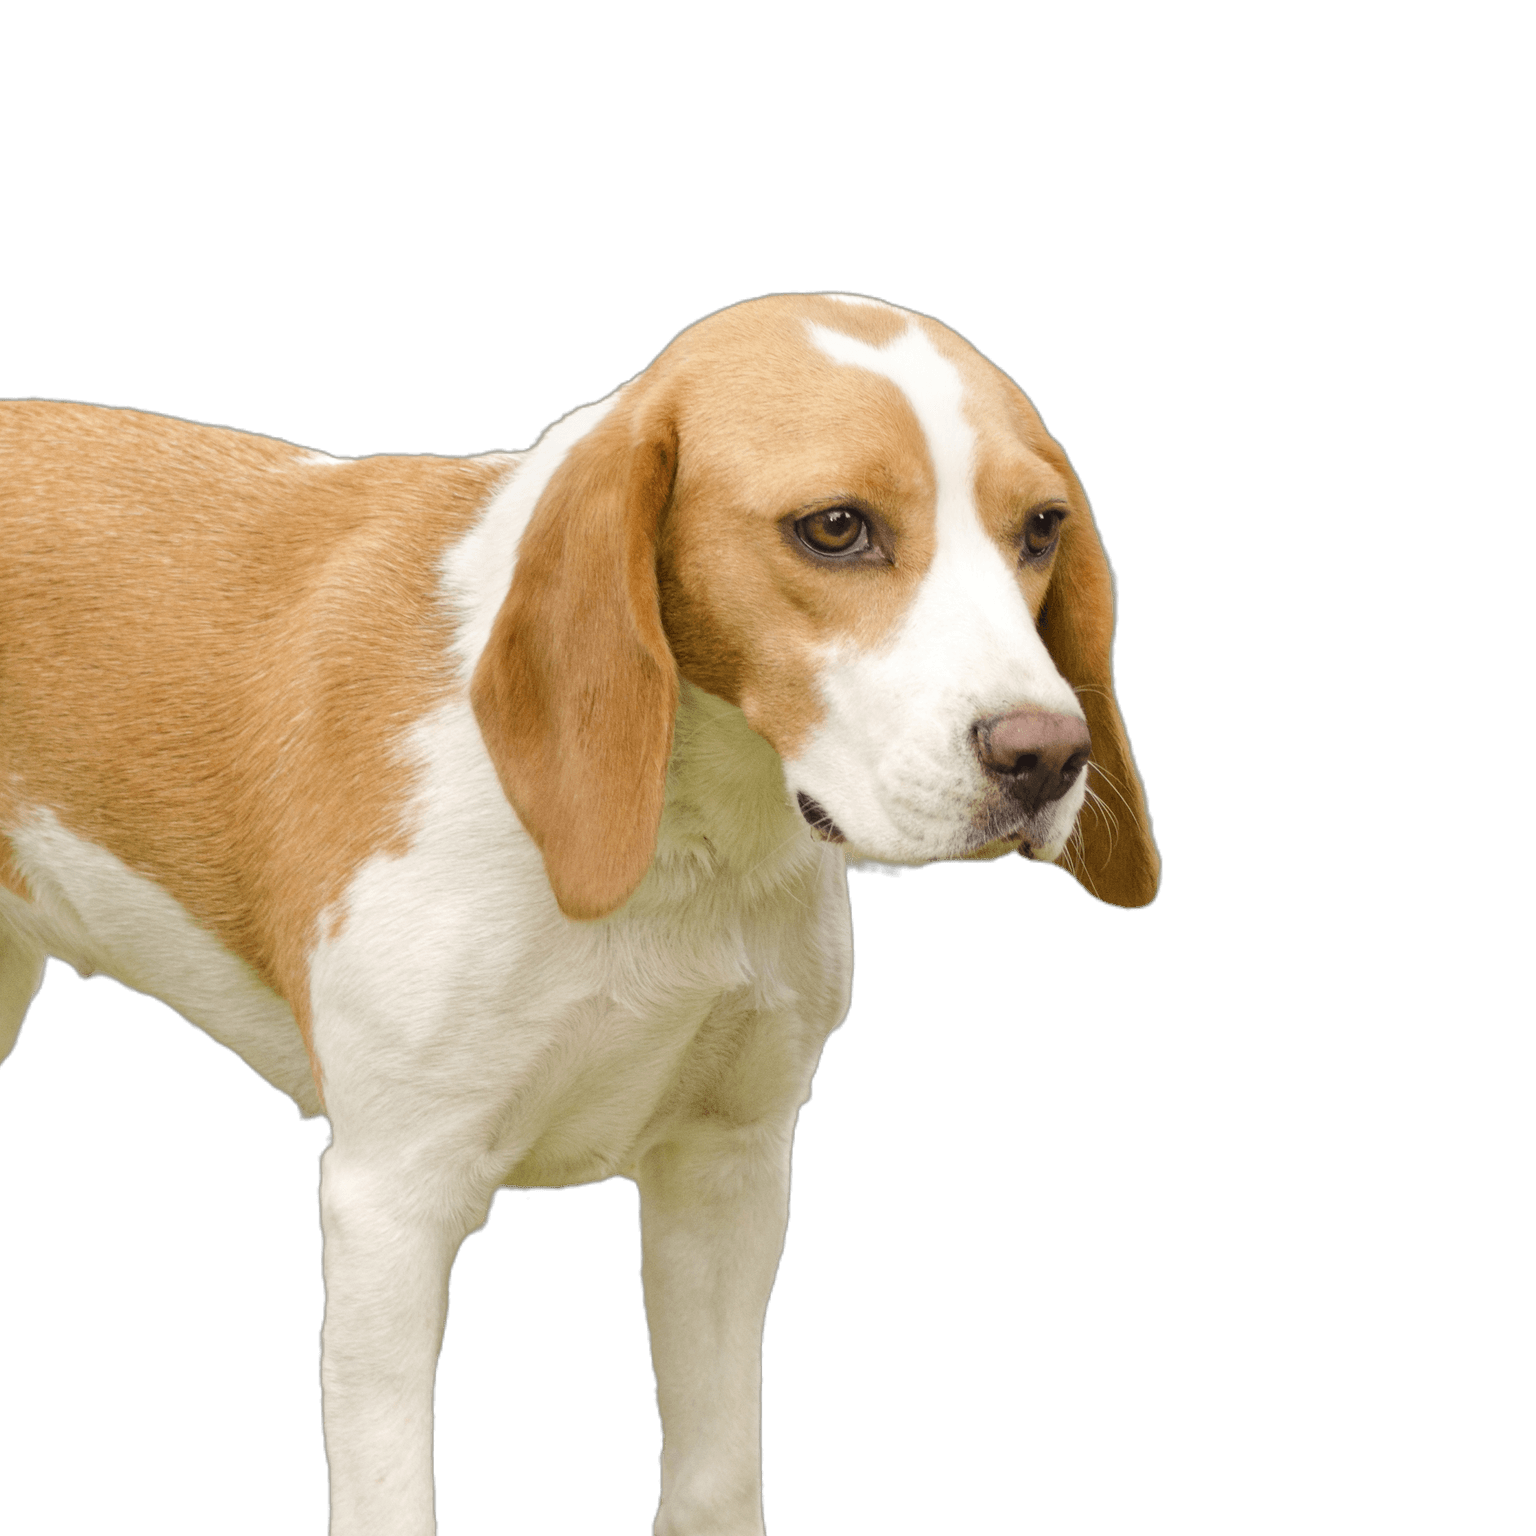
1210, 1218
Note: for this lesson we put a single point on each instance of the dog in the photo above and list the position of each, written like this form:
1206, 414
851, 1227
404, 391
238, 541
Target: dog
499, 808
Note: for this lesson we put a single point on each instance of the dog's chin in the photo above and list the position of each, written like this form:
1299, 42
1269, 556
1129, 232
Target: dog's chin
1041, 853
1023, 841
963, 850
974, 843
1041, 838
970, 852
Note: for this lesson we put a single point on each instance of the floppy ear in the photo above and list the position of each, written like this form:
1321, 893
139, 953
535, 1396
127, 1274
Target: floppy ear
1116, 859
576, 693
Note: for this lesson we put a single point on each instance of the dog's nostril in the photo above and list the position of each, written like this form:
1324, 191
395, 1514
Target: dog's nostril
1074, 765
1027, 763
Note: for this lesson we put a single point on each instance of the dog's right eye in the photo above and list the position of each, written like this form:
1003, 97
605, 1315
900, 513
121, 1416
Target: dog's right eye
1040, 532
837, 531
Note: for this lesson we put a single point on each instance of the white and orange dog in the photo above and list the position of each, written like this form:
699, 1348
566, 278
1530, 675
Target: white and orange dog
499, 808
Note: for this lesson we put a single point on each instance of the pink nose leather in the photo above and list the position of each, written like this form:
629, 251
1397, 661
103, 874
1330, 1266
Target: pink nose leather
1035, 754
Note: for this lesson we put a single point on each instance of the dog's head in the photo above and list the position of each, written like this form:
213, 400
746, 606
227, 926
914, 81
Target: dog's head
840, 517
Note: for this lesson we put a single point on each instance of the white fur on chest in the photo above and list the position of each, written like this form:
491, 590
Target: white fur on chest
550, 1051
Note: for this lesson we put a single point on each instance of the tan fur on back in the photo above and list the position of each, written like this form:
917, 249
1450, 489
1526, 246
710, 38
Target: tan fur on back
211, 646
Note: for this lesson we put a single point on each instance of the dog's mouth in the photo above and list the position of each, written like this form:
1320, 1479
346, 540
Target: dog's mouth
820, 823
994, 841
998, 834
1032, 846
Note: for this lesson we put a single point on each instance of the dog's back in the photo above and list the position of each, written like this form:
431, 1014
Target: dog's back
206, 638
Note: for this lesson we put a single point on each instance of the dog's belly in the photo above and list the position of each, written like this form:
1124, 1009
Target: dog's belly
91, 910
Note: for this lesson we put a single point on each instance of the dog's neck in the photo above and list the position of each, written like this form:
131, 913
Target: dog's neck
728, 815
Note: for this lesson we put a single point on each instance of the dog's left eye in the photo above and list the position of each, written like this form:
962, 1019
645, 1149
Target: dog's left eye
837, 531
1040, 530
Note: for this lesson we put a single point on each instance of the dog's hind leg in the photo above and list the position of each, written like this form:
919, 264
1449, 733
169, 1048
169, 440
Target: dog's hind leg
21, 974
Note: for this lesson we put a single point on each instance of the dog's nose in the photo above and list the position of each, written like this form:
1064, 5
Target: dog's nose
1036, 755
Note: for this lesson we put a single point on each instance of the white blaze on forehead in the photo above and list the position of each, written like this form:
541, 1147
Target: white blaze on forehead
934, 390
967, 565
969, 619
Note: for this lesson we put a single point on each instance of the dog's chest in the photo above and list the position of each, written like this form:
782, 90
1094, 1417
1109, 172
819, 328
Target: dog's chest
584, 1113
659, 1025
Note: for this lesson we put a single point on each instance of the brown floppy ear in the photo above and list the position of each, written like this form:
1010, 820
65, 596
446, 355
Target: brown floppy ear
1114, 856
576, 693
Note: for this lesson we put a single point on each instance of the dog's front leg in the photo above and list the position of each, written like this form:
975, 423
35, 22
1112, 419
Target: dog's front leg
390, 1241
21, 974
714, 1200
